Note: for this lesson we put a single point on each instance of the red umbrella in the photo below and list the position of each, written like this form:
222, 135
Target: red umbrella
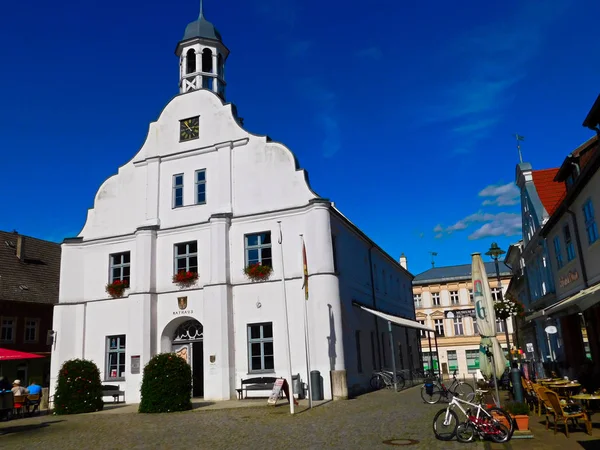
7, 355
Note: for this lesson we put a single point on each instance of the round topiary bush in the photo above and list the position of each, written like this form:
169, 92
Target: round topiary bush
78, 389
167, 385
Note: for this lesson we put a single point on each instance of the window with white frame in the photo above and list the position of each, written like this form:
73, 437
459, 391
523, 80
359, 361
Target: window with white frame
458, 326
471, 298
258, 249
186, 257
454, 299
260, 347
177, 190
417, 298
500, 326
423, 333
591, 227
200, 187
7, 329
31, 330
557, 252
452, 360
569, 243
439, 326
496, 293
115, 357
435, 298
120, 267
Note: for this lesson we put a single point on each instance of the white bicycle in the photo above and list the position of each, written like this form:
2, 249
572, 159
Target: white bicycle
486, 423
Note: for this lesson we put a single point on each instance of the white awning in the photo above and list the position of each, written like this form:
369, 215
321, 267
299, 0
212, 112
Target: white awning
395, 319
581, 301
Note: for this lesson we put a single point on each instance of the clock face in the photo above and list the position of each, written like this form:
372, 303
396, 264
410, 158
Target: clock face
189, 128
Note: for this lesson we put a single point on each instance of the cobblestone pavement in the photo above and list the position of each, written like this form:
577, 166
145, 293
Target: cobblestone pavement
362, 423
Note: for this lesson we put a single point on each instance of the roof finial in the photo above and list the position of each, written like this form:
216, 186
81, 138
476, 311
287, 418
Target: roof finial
201, 10
519, 139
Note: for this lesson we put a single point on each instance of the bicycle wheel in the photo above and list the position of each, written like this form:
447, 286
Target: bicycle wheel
465, 432
499, 419
377, 382
463, 389
400, 382
432, 398
444, 429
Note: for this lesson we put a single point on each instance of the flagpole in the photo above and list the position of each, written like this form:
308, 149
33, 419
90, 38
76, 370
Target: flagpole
306, 335
287, 323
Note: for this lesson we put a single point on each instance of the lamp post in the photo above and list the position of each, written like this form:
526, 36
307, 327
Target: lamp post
495, 252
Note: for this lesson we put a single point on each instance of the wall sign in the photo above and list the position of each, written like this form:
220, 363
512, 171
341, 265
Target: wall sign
569, 278
460, 313
182, 303
135, 364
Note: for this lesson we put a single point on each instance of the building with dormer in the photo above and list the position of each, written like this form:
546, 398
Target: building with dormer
443, 299
206, 197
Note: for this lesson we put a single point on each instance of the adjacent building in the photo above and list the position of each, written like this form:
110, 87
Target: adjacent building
29, 280
443, 299
206, 197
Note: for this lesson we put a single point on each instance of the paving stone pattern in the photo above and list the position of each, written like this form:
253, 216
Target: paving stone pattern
362, 423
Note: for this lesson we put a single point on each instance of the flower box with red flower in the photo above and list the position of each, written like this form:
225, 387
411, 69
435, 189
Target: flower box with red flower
185, 279
116, 289
258, 272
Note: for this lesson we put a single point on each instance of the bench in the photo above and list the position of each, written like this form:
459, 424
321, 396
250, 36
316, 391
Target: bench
255, 384
111, 390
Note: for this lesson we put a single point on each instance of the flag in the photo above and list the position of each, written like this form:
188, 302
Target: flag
519, 138
486, 320
305, 264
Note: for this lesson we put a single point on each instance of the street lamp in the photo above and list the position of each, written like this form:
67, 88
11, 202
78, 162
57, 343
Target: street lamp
495, 252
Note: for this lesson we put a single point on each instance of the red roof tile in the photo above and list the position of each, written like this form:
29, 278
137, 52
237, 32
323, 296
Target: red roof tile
551, 192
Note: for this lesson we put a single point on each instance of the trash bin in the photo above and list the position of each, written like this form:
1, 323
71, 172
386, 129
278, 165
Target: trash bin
298, 387
316, 385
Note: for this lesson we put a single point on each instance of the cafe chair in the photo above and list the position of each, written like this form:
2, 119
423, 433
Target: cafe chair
561, 414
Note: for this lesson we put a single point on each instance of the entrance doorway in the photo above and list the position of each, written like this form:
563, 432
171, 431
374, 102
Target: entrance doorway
188, 344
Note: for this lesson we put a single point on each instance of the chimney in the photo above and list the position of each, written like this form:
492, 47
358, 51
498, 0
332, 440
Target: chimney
21, 247
403, 261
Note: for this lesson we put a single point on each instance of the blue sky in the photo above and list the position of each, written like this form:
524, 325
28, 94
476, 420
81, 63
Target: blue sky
403, 114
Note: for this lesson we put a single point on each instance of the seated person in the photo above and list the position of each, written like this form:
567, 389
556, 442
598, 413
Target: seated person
34, 389
17, 389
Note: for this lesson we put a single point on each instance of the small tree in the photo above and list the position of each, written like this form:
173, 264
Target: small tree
166, 385
78, 389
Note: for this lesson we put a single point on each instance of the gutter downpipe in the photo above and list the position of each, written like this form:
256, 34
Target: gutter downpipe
579, 248
374, 307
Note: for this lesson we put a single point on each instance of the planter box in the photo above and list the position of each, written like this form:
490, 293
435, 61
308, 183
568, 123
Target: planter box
522, 422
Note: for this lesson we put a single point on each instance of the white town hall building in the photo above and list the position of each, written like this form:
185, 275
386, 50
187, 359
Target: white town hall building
205, 196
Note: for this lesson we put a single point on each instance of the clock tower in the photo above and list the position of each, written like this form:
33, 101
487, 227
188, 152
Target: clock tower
202, 57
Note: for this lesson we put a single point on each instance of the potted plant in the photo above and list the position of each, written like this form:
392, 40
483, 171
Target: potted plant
519, 411
185, 279
258, 272
116, 289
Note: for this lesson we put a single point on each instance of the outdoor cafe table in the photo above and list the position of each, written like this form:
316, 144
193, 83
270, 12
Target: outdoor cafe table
565, 388
587, 398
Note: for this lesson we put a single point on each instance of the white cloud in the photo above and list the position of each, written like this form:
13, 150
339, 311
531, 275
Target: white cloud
501, 195
501, 224
438, 228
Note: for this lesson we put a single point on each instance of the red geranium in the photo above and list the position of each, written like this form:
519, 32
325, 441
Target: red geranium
185, 279
258, 272
117, 288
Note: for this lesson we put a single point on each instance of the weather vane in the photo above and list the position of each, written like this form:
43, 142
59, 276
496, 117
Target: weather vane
433, 254
519, 140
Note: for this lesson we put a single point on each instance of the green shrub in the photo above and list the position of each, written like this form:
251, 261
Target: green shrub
517, 408
78, 389
167, 385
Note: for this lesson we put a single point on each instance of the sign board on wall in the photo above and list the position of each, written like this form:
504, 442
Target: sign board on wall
459, 313
568, 278
135, 364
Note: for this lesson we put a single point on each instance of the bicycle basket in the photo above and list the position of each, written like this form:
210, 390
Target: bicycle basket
429, 388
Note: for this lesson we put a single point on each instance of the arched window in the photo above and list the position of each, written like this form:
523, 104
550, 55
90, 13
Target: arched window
221, 69
207, 65
191, 61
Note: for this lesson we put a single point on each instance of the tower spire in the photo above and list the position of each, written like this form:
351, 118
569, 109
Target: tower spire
201, 10
519, 140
